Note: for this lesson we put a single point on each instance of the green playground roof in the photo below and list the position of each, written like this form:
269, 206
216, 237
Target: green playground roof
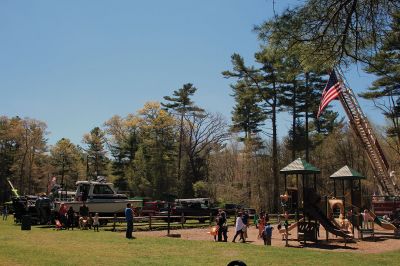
299, 166
347, 173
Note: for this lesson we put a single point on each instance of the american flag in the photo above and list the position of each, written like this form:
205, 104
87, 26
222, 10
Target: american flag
331, 91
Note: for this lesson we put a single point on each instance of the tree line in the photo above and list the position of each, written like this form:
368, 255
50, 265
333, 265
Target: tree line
178, 149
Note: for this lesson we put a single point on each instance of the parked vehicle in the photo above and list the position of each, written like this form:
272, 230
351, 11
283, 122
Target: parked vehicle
153, 208
250, 211
100, 197
192, 209
37, 207
231, 208
196, 207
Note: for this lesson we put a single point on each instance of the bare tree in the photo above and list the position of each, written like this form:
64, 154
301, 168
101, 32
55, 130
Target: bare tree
203, 133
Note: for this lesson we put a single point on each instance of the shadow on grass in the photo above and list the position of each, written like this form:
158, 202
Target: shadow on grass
323, 245
328, 246
375, 239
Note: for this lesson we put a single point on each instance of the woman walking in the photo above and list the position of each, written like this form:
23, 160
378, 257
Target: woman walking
239, 228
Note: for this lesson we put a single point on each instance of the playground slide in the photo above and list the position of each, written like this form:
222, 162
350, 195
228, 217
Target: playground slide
382, 223
315, 213
290, 227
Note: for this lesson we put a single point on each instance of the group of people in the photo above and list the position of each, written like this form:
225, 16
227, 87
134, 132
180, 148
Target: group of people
221, 229
86, 220
264, 228
241, 226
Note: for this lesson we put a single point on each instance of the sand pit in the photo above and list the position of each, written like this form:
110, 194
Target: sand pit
381, 244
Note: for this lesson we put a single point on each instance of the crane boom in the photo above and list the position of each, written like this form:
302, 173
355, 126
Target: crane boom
14, 190
361, 126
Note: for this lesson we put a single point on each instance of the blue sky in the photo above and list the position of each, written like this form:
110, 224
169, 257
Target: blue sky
74, 64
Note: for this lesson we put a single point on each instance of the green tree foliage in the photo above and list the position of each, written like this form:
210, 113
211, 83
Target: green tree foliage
33, 145
23, 158
8, 153
155, 160
266, 81
200, 189
247, 115
182, 104
302, 96
385, 90
123, 142
67, 160
329, 32
96, 153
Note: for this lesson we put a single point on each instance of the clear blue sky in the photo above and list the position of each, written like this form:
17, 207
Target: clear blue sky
74, 64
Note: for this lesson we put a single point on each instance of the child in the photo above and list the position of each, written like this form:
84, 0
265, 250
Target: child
261, 224
96, 222
267, 234
216, 229
70, 218
5, 213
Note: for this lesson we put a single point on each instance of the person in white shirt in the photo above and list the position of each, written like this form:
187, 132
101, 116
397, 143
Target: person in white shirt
239, 228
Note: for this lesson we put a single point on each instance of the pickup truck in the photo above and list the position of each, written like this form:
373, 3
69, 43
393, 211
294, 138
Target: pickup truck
191, 209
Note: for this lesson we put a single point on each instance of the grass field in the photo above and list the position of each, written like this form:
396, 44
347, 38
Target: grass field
46, 246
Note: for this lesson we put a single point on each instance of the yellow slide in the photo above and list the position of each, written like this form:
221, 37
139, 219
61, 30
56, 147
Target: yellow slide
382, 223
290, 227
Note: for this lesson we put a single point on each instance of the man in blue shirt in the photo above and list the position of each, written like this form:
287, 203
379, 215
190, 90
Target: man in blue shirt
129, 221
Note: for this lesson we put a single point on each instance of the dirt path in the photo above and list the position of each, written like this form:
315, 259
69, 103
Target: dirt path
382, 243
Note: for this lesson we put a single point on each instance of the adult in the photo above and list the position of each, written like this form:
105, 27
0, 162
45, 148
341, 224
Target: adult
83, 215
70, 218
129, 221
222, 226
246, 221
239, 225
62, 212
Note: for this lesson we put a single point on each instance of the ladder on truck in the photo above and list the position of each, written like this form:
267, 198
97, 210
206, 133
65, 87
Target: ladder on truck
363, 130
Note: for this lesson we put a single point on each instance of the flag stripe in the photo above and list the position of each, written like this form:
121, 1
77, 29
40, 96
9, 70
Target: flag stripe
330, 92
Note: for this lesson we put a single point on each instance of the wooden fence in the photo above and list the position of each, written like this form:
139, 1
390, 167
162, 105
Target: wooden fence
161, 222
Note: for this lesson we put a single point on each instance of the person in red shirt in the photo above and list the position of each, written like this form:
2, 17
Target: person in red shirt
62, 212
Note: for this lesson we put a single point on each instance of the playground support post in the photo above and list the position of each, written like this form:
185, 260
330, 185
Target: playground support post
326, 211
169, 218
287, 234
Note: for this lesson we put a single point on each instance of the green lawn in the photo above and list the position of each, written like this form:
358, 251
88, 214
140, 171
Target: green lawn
44, 246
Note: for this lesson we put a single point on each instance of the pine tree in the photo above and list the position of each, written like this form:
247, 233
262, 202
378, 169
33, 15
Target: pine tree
67, 160
182, 104
385, 90
96, 153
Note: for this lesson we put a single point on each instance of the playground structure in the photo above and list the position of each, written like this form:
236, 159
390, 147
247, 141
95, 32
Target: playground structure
339, 215
353, 178
309, 204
